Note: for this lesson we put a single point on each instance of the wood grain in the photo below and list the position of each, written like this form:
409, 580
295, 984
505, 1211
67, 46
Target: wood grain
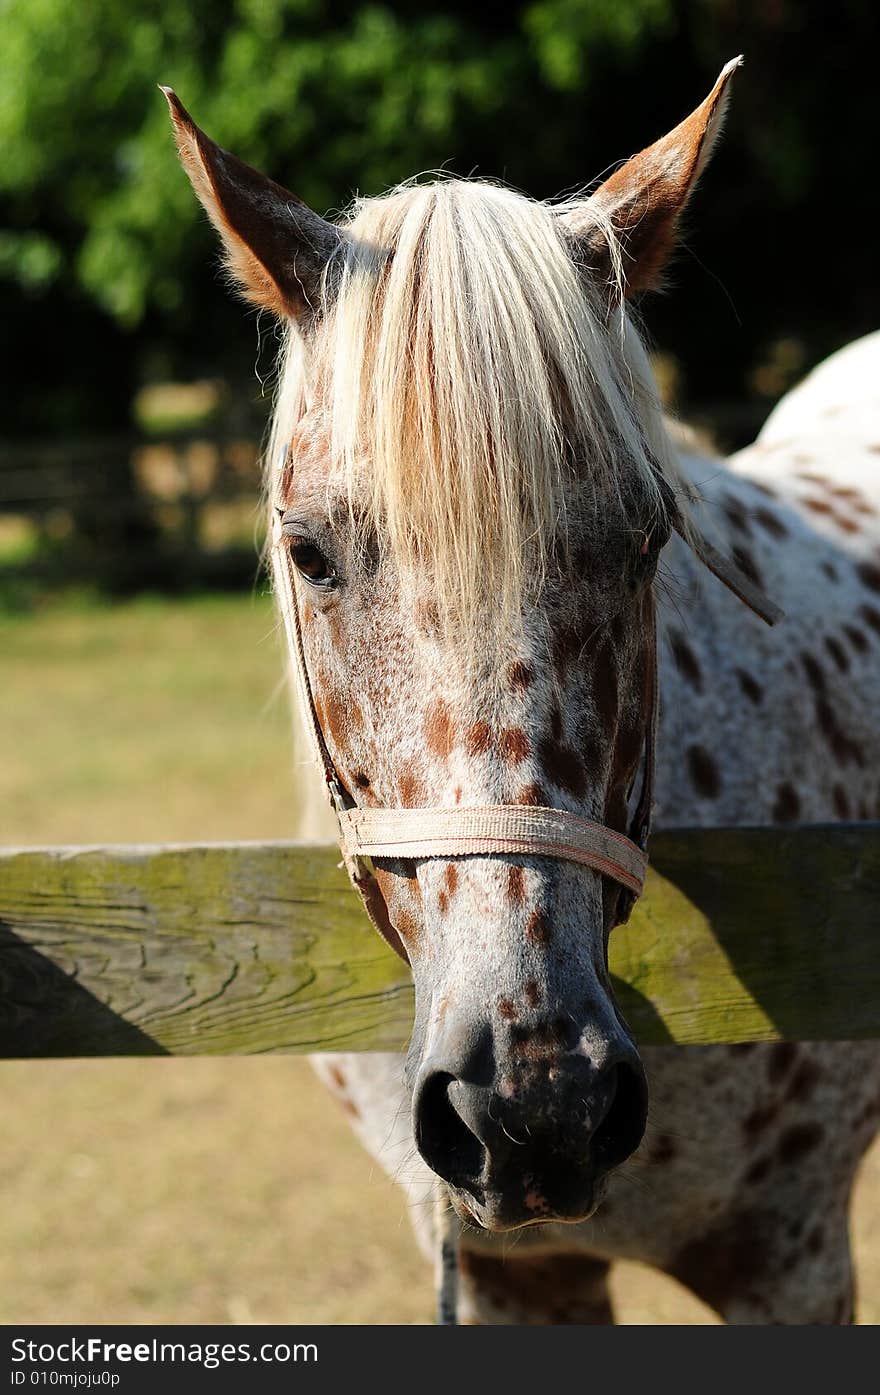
743, 934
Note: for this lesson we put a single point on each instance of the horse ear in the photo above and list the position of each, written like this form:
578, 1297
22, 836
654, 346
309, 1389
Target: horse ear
277, 249
642, 202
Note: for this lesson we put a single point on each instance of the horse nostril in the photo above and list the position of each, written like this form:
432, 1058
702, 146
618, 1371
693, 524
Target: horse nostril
620, 1130
442, 1137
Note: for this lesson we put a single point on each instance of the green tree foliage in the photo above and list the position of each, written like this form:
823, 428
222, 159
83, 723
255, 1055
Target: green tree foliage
103, 244
344, 97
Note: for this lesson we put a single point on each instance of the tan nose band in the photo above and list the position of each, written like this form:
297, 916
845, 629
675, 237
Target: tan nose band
481, 831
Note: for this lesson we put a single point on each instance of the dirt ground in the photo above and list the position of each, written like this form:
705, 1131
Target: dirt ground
227, 1191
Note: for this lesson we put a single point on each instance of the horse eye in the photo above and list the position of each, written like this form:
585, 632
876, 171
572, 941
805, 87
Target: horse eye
311, 563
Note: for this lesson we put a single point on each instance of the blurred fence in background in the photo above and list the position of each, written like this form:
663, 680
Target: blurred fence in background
170, 503
127, 512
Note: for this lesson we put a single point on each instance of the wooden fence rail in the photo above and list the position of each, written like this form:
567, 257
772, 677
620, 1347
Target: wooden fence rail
228, 949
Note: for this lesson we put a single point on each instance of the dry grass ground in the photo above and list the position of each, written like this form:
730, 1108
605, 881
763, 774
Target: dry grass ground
199, 1190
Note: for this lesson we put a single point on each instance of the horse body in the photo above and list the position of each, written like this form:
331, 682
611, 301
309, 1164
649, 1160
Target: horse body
474, 493
741, 1186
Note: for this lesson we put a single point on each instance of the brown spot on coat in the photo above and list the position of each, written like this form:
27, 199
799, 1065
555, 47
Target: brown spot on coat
788, 804
818, 506
736, 515
451, 878
871, 617
758, 1171
516, 885
663, 1150
781, 1059
428, 617
519, 675
799, 1140
722, 1263
750, 686
563, 766
506, 1009
340, 1090
838, 653
478, 741
534, 795
411, 792
857, 638
704, 772
685, 660
757, 1121
813, 670
532, 993
869, 575
537, 929
405, 924
439, 729
815, 1240
771, 523
336, 718
514, 745
845, 750
804, 1080
542, 1041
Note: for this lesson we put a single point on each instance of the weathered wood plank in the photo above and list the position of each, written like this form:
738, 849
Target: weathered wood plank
744, 934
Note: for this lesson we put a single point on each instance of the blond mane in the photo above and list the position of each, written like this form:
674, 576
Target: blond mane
465, 369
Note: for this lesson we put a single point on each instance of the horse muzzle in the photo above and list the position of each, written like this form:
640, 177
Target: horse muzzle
524, 1132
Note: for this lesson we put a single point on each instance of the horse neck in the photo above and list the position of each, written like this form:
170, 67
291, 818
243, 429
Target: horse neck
775, 726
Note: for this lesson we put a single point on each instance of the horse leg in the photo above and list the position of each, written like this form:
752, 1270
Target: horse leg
524, 1290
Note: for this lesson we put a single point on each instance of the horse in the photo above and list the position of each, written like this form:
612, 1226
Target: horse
491, 550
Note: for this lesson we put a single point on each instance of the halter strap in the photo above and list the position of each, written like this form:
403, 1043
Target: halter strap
484, 830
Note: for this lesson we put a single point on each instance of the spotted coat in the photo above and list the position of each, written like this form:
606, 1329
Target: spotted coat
741, 1186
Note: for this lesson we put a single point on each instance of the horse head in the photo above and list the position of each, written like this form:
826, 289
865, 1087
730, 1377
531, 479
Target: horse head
472, 486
